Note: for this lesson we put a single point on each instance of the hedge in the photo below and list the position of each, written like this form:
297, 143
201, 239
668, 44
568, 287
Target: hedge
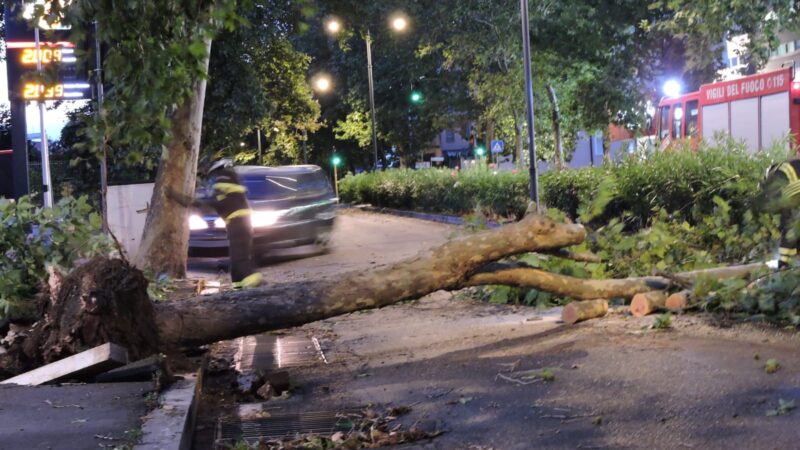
679, 180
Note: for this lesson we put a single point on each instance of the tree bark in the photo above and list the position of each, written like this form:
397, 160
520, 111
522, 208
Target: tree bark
579, 311
165, 241
233, 314
559, 146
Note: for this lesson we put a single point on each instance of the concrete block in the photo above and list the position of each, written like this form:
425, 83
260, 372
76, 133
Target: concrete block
85, 364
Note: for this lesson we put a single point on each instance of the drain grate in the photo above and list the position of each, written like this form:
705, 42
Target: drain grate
269, 352
280, 426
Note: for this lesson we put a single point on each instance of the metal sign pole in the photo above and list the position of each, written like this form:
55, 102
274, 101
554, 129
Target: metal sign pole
46, 184
372, 99
526, 49
104, 148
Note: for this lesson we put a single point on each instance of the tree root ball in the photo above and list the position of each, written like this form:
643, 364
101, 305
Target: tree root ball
104, 300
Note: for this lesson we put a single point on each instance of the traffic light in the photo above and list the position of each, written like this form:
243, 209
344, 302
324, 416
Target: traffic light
416, 97
336, 160
480, 151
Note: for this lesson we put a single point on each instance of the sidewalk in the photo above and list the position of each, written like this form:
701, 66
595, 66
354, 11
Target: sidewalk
71, 416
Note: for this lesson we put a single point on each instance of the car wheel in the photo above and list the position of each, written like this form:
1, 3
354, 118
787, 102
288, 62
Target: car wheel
323, 241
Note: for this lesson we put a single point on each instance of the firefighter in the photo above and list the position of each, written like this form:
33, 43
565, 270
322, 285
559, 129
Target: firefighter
230, 203
782, 189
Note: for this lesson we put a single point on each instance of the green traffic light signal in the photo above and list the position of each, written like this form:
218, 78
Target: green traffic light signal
480, 151
336, 160
416, 97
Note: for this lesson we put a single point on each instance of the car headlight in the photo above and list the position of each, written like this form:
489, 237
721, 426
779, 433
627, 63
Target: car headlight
197, 223
260, 219
219, 223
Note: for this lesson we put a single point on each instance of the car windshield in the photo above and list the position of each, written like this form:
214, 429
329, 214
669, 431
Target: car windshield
278, 185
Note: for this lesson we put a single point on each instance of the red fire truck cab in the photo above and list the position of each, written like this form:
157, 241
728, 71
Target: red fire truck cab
760, 110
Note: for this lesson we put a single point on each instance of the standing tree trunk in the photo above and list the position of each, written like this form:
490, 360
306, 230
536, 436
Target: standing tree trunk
165, 240
559, 145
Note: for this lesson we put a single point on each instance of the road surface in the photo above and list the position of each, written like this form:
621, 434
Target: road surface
617, 384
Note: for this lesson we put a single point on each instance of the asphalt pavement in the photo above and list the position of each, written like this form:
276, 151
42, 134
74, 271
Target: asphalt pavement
471, 368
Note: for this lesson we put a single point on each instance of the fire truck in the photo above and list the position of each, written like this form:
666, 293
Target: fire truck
759, 110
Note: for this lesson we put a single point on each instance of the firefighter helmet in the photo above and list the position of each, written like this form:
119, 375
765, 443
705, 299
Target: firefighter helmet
219, 164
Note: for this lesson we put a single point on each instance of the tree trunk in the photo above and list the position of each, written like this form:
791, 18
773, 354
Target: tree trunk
559, 146
648, 302
606, 147
679, 301
579, 311
233, 314
165, 241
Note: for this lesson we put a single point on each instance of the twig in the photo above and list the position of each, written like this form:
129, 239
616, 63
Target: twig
512, 366
514, 380
106, 438
63, 406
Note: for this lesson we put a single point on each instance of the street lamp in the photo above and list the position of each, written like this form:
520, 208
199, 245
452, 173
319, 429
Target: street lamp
399, 22
333, 26
321, 83
672, 88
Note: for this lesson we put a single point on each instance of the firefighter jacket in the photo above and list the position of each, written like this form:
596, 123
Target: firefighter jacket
782, 192
229, 200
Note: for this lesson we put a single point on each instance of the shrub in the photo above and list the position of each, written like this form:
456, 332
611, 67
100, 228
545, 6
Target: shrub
676, 181
31, 238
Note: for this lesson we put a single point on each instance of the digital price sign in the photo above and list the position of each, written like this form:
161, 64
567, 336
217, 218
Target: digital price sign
57, 56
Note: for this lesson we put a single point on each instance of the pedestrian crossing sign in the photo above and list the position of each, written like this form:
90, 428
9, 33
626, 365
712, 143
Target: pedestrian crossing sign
497, 146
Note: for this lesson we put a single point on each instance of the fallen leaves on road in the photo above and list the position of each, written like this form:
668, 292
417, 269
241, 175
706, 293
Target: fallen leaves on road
772, 366
367, 429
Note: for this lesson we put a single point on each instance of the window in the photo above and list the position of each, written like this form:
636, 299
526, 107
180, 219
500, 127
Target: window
693, 112
734, 61
790, 47
663, 126
449, 137
677, 121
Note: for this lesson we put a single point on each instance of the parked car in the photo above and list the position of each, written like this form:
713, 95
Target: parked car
291, 206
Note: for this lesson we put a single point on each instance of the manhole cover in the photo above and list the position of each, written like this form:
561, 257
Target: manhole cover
286, 425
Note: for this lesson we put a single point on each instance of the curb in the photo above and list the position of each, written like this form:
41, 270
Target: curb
171, 425
440, 218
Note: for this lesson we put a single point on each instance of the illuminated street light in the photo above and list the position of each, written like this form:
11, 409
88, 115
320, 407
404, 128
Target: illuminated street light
333, 26
242, 144
399, 23
672, 88
322, 83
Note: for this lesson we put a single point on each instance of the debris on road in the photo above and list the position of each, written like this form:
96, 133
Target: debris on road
84, 364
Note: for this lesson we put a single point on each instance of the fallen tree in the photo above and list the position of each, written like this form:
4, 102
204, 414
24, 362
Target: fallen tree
105, 300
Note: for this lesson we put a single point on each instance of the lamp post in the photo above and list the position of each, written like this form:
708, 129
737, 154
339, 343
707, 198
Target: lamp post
335, 161
526, 50
399, 23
